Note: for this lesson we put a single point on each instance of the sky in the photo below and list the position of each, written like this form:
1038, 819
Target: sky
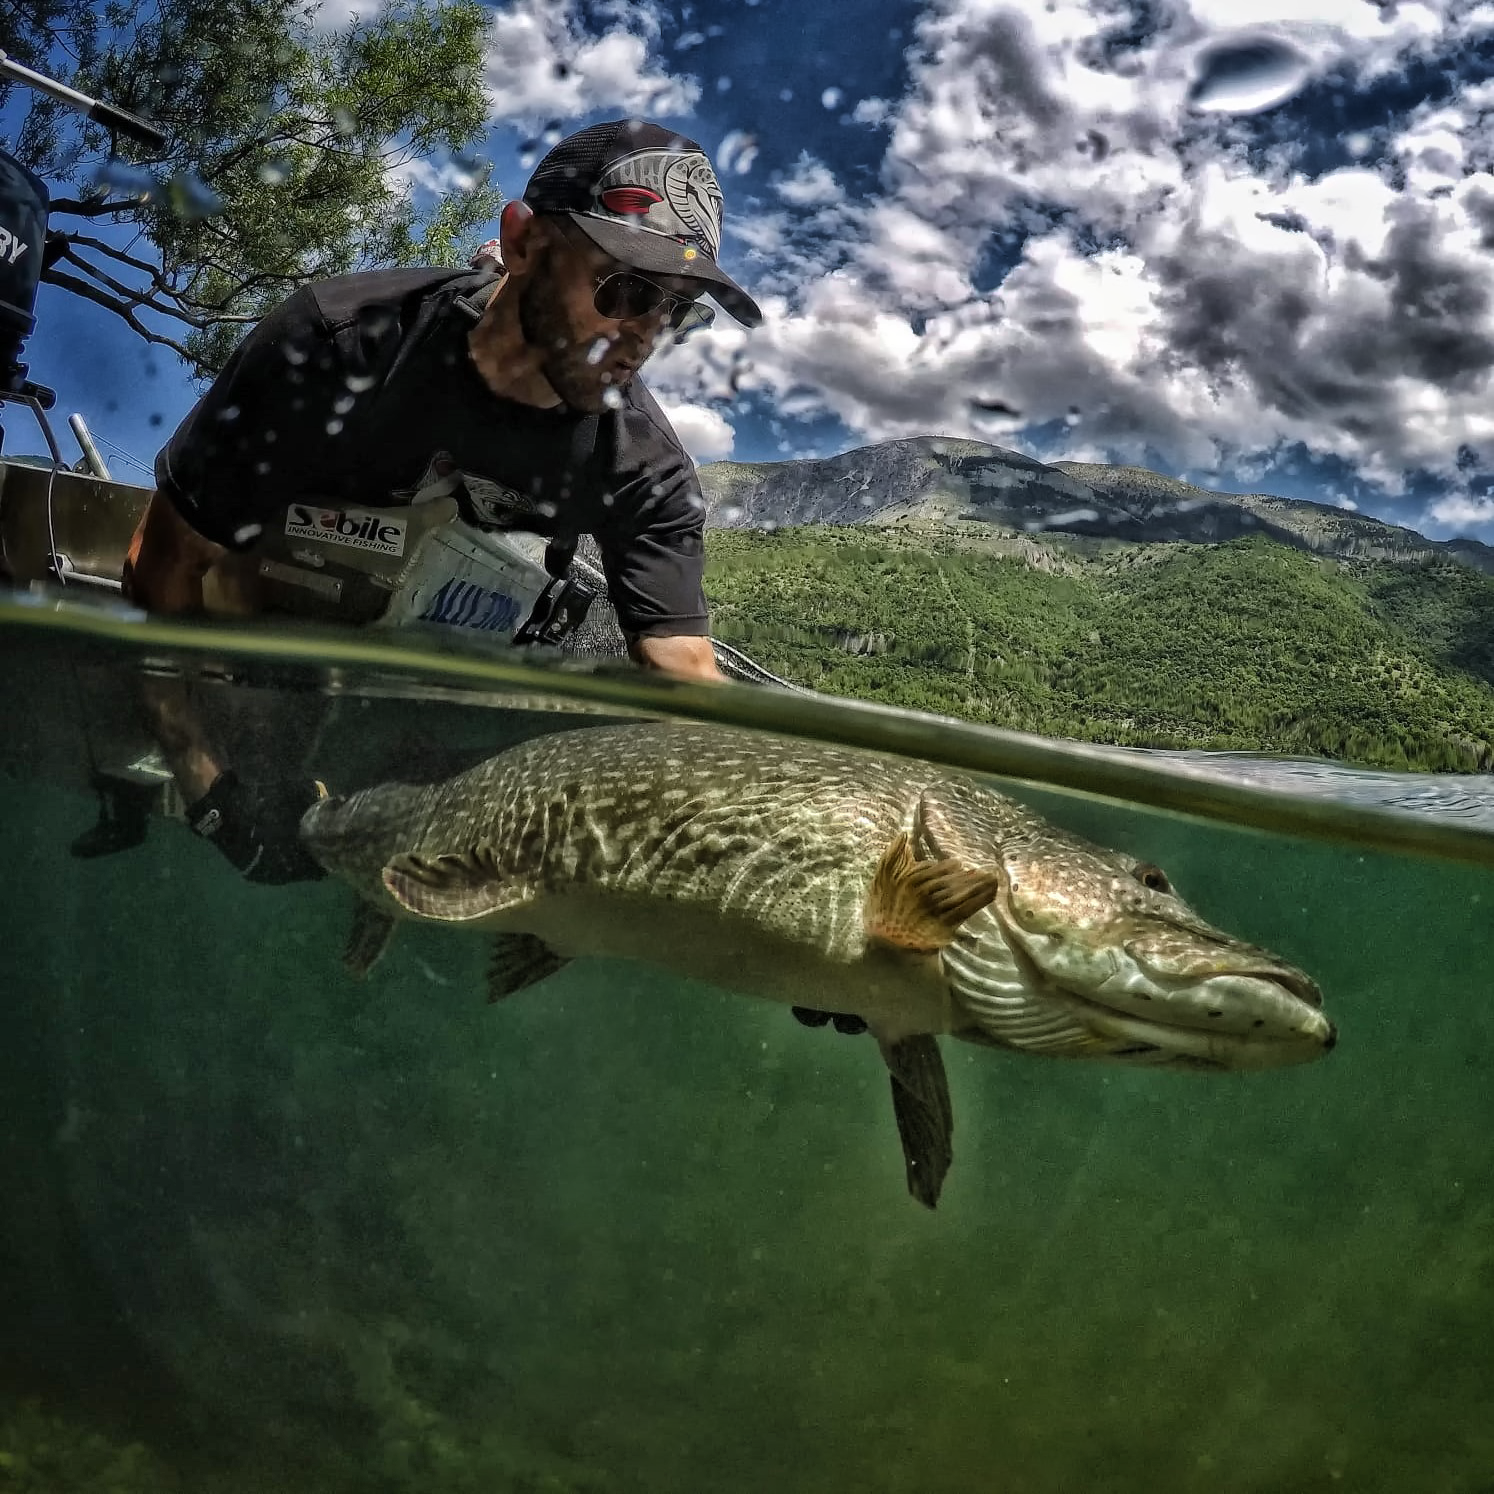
1256, 255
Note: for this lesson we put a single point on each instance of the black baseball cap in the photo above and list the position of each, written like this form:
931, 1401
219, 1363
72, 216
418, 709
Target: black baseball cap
646, 196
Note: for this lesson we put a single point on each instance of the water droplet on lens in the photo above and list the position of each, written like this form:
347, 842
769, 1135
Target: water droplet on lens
228, 412
272, 173
343, 403
612, 398
247, 532
334, 426
597, 351
295, 353
343, 119
831, 98
1248, 75
191, 197
359, 383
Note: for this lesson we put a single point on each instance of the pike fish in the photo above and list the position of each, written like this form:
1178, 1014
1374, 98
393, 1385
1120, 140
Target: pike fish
909, 897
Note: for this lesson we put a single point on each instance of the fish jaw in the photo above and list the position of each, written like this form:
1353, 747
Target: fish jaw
1087, 953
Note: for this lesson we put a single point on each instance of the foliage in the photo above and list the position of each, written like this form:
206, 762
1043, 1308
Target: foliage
293, 151
1250, 646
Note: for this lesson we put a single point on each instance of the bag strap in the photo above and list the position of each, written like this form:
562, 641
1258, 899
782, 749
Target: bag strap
585, 445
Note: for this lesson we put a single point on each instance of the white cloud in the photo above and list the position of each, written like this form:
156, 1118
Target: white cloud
542, 64
1186, 297
811, 184
703, 432
1460, 514
872, 111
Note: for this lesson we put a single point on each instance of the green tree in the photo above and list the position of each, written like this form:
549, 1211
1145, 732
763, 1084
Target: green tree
292, 153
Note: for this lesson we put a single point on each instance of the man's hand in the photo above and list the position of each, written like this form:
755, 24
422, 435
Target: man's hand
258, 830
685, 657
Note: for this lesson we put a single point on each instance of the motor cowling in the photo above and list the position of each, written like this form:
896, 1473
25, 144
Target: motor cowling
23, 230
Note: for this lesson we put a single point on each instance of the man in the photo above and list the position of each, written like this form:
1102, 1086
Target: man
358, 391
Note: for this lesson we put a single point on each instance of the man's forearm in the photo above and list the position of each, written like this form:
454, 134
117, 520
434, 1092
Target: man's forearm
172, 720
163, 573
685, 657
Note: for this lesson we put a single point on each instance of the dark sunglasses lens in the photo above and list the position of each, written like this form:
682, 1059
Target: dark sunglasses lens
620, 297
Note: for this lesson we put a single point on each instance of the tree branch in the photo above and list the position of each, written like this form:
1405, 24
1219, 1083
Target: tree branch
90, 293
81, 209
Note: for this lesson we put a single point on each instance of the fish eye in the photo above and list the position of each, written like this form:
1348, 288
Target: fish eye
1151, 876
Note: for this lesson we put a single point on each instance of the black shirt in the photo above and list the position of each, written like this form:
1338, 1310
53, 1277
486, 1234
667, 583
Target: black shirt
357, 390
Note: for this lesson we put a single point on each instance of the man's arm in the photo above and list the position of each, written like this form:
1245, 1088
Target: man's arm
255, 831
686, 657
163, 573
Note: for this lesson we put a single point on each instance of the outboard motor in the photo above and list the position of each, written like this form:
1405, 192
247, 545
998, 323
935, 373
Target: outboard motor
24, 246
23, 233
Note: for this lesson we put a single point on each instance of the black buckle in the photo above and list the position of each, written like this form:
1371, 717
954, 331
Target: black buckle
560, 610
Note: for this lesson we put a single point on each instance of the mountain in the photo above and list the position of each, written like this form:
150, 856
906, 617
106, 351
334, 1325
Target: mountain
940, 481
1106, 604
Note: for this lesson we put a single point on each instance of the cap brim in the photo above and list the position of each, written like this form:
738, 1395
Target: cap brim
656, 254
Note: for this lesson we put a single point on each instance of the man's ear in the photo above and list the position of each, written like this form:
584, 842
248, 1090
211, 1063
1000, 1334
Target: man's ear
518, 235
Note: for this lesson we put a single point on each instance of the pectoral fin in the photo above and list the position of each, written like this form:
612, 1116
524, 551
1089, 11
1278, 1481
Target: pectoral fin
925, 1119
520, 960
919, 905
452, 888
368, 938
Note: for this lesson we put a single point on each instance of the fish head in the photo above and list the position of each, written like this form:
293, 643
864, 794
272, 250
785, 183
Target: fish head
353, 835
1087, 952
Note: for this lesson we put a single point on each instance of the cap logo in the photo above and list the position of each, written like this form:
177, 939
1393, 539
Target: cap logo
685, 199
633, 200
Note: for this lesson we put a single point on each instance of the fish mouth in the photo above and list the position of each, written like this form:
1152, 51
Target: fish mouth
1255, 1015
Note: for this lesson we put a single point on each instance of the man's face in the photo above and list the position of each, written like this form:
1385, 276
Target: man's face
584, 354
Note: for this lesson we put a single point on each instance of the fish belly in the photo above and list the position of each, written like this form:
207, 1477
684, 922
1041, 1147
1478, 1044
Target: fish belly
897, 994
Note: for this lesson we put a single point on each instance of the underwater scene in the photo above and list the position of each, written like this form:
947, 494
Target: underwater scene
270, 1226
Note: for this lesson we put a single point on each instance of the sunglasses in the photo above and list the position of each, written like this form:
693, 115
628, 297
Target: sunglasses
624, 295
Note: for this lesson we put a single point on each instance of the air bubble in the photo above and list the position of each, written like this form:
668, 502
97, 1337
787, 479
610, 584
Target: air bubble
1248, 76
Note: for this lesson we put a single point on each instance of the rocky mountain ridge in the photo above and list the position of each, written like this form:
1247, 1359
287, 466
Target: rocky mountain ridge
941, 480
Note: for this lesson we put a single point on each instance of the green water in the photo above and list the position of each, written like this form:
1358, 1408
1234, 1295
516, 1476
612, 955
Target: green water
270, 1228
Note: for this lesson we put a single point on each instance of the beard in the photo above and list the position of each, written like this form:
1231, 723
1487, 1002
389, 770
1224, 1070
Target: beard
566, 359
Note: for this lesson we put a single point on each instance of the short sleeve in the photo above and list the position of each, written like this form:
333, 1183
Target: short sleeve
247, 443
655, 563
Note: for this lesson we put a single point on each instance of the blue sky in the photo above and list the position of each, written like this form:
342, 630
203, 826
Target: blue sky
1072, 208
